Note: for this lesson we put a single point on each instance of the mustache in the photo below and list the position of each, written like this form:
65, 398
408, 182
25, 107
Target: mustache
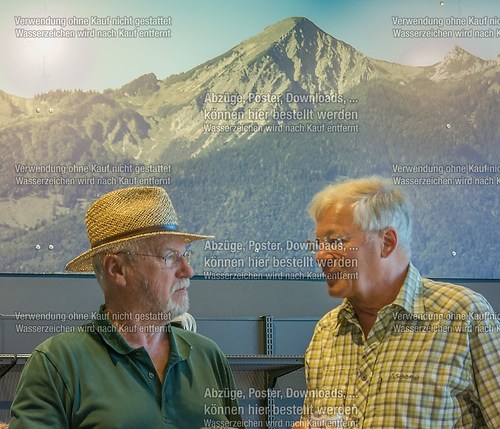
181, 284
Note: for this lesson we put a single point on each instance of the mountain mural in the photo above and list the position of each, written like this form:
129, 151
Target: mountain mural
243, 141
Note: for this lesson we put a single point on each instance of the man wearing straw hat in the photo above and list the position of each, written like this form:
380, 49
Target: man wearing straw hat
130, 367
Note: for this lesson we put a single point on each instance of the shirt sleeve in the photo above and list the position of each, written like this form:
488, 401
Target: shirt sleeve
485, 353
41, 400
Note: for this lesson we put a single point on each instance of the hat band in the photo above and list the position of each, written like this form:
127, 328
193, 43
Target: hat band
140, 231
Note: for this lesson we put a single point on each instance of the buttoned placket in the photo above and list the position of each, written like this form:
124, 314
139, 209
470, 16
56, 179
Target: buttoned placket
365, 384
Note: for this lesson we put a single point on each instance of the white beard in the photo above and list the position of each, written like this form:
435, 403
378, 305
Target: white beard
174, 308
175, 305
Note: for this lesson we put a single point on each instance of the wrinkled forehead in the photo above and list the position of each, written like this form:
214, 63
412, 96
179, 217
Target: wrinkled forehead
337, 218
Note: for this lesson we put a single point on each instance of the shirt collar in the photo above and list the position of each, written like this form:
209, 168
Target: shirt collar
109, 333
180, 347
408, 298
346, 312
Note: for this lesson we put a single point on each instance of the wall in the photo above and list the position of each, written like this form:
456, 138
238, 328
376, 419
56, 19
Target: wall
243, 317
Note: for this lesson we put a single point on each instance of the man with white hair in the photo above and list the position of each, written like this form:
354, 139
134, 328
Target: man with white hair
401, 351
130, 367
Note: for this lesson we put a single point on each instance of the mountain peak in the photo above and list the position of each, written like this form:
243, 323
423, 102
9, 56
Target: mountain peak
296, 22
289, 23
306, 56
457, 63
457, 53
142, 86
277, 32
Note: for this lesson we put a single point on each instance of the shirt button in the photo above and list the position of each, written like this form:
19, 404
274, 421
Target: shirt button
151, 375
363, 377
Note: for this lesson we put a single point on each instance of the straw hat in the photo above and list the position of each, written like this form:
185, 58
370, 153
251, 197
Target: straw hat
128, 214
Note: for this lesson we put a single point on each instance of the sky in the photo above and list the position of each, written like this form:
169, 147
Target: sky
203, 29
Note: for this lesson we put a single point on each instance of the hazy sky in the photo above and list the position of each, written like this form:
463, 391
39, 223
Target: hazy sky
203, 29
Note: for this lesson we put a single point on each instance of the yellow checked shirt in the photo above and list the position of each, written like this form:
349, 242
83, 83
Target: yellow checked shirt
432, 360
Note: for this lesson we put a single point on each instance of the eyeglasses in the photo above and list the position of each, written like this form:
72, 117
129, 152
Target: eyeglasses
332, 244
171, 259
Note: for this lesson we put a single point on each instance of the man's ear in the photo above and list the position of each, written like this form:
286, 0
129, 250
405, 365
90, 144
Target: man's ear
389, 242
114, 268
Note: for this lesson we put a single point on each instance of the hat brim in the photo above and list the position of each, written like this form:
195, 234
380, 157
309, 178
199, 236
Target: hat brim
83, 262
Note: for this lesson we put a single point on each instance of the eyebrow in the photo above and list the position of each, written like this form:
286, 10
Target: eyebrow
329, 233
171, 249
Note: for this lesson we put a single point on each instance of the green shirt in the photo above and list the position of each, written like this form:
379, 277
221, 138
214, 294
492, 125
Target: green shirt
431, 360
92, 378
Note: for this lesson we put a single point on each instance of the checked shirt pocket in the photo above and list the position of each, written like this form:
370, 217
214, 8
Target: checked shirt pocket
424, 392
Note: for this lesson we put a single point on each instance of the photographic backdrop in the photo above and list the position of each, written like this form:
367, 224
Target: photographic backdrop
244, 110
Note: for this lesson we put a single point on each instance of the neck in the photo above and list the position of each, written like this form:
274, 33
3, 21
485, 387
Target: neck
380, 294
140, 329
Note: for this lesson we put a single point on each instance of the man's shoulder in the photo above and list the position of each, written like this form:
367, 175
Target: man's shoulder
195, 339
452, 297
72, 341
73, 337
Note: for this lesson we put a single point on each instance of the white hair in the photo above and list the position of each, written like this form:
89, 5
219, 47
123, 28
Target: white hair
98, 259
376, 202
